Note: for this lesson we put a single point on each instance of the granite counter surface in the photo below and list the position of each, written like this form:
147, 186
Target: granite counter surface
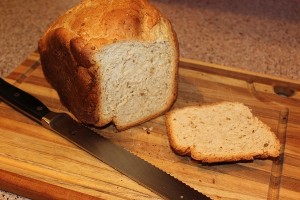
259, 35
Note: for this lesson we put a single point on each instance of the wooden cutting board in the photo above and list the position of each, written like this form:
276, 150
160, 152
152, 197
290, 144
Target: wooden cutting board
39, 164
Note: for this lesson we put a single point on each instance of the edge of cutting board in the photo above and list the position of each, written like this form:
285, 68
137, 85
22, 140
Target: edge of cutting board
238, 73
27, 187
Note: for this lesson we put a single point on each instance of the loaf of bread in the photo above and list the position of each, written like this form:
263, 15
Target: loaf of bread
225, 131
112, 61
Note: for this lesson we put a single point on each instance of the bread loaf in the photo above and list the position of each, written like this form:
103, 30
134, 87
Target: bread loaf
112, 61
225, 131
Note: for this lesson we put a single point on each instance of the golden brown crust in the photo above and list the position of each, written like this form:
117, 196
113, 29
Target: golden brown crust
179, 149
75, 85
103, 22
68, 47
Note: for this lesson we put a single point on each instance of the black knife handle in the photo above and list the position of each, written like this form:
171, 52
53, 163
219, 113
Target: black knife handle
22, 101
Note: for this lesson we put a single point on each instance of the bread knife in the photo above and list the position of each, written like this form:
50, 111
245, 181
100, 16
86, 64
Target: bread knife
120, 159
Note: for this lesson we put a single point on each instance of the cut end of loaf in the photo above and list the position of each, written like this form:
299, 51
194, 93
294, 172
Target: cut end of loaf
139, 81
220, 132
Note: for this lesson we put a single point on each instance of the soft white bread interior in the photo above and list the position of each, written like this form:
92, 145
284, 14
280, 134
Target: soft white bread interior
112, 61
139, 80
225, 131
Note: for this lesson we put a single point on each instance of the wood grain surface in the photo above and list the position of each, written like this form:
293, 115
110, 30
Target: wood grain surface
37, 163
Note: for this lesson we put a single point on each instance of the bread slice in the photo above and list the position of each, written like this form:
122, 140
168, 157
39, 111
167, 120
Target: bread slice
225, 131
112, 61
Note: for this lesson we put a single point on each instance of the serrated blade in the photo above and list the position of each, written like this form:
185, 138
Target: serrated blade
120, 159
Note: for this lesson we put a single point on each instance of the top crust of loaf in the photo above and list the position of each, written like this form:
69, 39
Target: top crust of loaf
69, 48
225, 131
92, 25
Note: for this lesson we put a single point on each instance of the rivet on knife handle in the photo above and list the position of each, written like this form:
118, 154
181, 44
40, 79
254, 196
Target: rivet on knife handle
117, 157
22, 101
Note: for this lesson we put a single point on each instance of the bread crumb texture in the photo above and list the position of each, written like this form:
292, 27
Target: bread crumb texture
226, 131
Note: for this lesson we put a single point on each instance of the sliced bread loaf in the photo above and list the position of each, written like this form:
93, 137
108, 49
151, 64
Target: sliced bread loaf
112, 61
225, 131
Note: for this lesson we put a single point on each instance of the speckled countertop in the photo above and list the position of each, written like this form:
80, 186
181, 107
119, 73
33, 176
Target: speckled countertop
258, 35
